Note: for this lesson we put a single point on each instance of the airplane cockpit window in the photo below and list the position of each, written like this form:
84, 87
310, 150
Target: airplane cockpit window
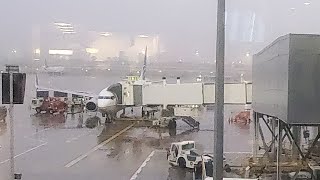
106, 97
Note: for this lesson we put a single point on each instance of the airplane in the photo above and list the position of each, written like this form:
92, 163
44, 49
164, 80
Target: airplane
109, 100
53, 69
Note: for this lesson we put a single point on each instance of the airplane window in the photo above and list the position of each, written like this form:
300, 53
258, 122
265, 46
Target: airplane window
106, 97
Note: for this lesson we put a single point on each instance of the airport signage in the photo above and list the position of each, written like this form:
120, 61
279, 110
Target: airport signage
18, 84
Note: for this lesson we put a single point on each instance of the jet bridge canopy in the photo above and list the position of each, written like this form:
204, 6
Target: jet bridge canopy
194, 94
117, 90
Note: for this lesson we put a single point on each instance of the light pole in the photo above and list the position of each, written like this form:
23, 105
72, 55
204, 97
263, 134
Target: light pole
11, 70
219, 95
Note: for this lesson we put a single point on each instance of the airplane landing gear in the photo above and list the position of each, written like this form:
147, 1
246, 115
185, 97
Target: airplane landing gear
108, 118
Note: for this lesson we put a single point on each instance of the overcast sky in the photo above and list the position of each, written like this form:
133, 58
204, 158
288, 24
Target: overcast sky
183, 24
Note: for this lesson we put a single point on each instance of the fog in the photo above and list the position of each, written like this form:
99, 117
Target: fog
184, 26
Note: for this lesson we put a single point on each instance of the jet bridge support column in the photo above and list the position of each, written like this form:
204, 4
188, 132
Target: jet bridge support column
256, 134
296, 131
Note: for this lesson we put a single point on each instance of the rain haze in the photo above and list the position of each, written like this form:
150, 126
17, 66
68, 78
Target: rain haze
119, 89
183, 26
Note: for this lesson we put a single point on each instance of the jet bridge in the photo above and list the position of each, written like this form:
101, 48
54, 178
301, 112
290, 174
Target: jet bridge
194, 94
186, 100
154, 94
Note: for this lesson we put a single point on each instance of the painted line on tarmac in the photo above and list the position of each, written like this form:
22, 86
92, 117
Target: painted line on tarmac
135, 175
32, 149
83, 156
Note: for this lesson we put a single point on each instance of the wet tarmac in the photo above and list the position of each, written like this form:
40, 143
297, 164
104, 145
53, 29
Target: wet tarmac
55, 147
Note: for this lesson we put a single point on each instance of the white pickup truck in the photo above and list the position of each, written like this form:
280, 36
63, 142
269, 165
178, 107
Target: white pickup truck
184, 155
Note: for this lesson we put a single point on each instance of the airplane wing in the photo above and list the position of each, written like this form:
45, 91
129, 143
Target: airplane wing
79, 93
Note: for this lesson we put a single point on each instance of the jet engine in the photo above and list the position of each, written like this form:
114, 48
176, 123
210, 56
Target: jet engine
91, 105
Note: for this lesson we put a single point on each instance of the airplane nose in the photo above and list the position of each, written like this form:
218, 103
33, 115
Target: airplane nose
104, 103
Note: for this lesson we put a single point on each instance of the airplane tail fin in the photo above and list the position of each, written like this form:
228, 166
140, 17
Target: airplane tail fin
144, 67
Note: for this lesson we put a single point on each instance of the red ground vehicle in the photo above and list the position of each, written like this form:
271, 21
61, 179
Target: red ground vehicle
242, 117
50, 105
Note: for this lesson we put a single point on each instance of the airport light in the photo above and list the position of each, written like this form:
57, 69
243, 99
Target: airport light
109, 69
143, 36
14, 51
65, 27
92, 50
247, 54
211, 72
240, 62
138, 72
160, 71
143, 51
61, 24
307, 3
37, 51
106, 34
60, 52
36, 59
66, 32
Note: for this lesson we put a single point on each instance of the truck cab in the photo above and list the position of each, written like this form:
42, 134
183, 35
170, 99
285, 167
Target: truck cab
183, 154
36, 103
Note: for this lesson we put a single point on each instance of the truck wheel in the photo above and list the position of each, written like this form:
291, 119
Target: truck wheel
182, 162
227, 168
38, 110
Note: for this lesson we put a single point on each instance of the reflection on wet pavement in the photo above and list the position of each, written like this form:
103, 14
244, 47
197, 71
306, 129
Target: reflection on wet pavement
56, 140
3, 128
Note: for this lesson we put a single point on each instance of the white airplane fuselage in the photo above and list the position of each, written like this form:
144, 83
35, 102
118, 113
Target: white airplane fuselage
107, 102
